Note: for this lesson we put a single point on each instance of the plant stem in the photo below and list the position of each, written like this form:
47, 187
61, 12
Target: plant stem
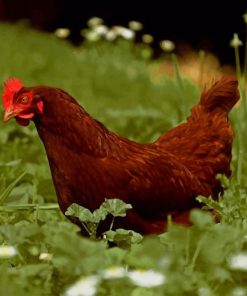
243, 112
23, 207
201, 71
240, 153
87, 230
245, 60
187, 247
237, 61
112, 222
180, 83
11, 186
196, 253
177, 72
169, 220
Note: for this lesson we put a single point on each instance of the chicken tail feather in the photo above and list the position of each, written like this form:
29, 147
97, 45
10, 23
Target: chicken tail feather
222, 95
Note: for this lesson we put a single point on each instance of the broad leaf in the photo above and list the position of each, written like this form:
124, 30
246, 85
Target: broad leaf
123, 238
116, 207
83, 214
201, 219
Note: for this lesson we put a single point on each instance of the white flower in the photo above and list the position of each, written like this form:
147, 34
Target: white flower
114, 272
95, 21
235, 42
124, 32
165, 262
86, 286
146, 278
101, 30
127, 34
62, 32
239, 291
238, 262
135, 26
90, 35
147, 38
7, 251
167, 45
45, 256
204, 291
111, 35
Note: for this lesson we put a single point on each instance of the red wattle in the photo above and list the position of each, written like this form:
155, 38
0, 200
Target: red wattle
22, 121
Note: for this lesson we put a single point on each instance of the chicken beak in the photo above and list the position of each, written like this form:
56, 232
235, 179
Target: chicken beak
8, 114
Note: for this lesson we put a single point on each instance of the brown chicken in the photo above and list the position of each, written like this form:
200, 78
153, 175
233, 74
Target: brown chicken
90, 163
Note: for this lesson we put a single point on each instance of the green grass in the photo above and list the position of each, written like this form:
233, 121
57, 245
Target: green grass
114, 84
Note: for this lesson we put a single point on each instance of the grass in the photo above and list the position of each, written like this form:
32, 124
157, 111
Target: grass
114, 83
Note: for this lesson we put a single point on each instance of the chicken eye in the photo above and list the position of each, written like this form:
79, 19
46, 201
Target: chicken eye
24, 100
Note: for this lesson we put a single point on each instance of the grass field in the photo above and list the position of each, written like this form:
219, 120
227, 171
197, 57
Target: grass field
41, 252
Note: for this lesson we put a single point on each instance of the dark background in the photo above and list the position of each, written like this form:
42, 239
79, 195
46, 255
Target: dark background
204, 24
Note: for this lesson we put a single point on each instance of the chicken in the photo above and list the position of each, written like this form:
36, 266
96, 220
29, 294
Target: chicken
90, 163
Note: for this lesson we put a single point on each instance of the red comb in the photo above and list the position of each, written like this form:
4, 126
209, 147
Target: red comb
11, 86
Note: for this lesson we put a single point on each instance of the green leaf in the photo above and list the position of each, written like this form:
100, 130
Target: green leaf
83, 214
19, 233
143, 292
7, 191
116, 207
99, 214
11, 163
123, 238
201, 218
23, 207
210, 203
